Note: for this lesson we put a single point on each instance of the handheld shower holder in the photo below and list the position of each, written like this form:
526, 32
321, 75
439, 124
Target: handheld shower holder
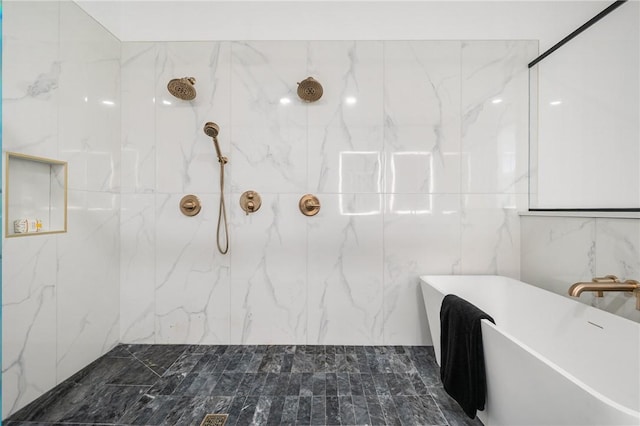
211, 129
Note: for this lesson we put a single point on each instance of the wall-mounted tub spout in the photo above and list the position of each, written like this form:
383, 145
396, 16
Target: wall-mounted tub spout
607, 283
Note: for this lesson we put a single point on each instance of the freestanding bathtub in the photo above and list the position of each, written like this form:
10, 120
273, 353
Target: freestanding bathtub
550, 360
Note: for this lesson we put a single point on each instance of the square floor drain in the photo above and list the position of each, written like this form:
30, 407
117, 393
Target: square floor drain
214, 420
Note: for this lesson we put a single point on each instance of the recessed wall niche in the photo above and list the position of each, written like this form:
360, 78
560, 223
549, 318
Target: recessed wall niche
36, 195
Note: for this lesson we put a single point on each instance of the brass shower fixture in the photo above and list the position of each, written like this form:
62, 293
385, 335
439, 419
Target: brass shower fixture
250, 202
182, 88
211, 129
310, 90
309, 205
190, 205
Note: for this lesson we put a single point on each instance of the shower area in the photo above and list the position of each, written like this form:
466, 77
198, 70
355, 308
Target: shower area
390, 151
416, 152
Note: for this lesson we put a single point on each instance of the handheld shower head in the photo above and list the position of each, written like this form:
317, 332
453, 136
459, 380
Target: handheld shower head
211, 129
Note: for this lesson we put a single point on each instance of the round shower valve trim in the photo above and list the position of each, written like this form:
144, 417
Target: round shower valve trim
309, 205
250, 202
190, 205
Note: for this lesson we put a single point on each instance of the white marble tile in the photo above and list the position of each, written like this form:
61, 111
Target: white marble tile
268, 159
186, 160
345, 160
556, 252
360, 204
495, 116
422, 116
269, 279
422, 85
88, 276
345, 272
31, 21
491, 234
90, 145
83, 38
19, 132
29, 320
618, 247
138, 117
421, 236
30, 80
137, 268
89, 117
351, 74
191, 276
618, 253
414, 166
68, 313
263, 83
269, 134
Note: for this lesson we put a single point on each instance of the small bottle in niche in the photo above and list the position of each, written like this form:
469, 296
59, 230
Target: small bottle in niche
24, 226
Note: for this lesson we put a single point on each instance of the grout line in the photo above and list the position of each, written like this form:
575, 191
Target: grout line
145, 365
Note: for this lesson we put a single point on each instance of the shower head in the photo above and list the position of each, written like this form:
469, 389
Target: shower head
211, 129
182, 88
309, 89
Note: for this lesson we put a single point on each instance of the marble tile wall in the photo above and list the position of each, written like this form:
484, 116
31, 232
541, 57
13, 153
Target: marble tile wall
61, 95
558, 251
417, 151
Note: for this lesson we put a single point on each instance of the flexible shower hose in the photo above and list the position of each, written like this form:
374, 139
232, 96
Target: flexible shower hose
222, 213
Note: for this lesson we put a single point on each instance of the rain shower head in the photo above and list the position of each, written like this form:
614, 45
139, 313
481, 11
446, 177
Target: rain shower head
182, 88
310, 89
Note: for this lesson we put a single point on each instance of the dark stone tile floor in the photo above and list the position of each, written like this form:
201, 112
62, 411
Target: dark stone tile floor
254, 385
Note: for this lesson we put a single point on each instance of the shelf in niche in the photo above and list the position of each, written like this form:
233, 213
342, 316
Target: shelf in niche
36, 189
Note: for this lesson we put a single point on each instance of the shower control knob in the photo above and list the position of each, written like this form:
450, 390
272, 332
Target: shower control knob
190, 205
250, 201
309, 205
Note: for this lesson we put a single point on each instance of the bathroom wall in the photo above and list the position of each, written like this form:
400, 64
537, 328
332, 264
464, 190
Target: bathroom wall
61, 96
417, 151
585, 99
559, 251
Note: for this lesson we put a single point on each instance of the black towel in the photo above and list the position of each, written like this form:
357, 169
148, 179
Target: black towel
461, 355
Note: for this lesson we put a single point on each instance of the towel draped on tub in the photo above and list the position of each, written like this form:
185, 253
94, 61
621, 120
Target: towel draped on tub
462, 359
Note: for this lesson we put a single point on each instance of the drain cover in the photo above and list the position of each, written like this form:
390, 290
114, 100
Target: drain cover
214, 420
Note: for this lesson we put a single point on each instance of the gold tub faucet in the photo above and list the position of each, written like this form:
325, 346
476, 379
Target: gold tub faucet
607, 283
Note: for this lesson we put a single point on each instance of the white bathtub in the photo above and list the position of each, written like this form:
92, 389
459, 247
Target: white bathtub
550, 360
